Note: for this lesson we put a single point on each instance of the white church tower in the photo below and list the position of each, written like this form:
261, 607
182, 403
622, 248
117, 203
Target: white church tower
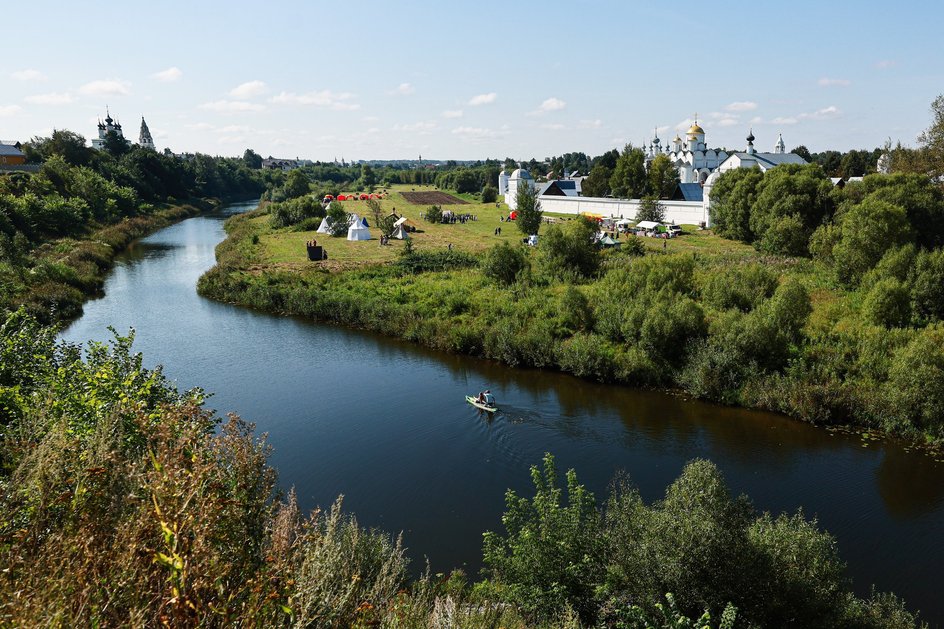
104, 128
780, 146
520, 177
144, 138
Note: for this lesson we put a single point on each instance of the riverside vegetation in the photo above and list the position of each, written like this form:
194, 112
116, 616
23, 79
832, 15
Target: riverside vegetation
123, 501
61, 227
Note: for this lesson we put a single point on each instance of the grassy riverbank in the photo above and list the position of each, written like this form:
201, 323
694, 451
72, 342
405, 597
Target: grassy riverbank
712, 317
55, 279
124, 502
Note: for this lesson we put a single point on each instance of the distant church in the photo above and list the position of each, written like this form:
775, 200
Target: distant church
104, 128
108, 125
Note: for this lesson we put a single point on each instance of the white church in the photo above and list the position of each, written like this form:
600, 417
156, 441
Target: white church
698, 168
108, 125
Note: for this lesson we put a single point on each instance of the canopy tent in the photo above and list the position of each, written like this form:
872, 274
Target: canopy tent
647, 225
357, 230
606, 241
624, 221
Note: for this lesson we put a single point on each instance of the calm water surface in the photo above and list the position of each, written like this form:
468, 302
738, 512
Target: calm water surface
384, 423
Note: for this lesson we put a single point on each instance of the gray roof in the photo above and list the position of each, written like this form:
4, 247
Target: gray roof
691, 191
9, 149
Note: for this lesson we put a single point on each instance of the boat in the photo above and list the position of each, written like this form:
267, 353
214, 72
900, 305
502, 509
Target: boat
489, 404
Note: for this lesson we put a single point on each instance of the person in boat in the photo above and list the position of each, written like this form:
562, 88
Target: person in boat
483, 399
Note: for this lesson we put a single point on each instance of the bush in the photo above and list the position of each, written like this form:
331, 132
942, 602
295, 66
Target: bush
503, 263
928, 286
786, 236
489, 194
866, 232
338, 220
433, 214
569, 250
888, 304
742, 287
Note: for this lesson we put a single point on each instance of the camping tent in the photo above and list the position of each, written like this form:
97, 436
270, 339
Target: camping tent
325, 227
606, 241
357, 231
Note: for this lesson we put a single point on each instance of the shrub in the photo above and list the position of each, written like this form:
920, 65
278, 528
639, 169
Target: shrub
503, 263
786, 236
928, 286
888, 303
866, 232
570, 249
489, 194
338, 219
433, 214
742, 287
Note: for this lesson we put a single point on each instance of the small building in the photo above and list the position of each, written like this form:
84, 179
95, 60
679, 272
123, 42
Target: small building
11, 155
278, 163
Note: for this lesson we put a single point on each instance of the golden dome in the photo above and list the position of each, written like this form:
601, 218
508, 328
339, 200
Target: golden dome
695, 129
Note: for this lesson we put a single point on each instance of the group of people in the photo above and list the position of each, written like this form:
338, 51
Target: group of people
451, 218
498, 231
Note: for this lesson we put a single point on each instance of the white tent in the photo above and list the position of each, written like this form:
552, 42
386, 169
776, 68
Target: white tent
325, 227
399, 233
647, 225
624, 221
399, 221
357, 231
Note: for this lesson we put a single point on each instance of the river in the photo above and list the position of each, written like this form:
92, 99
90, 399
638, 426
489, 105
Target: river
384, 422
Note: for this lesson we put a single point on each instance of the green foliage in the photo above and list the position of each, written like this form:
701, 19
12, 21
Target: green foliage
928, 285
550, 557
597, 183
888, 303
628, 180
489, 194
732, 197
433, 214
296, 184
866, 232
294, 211
338, 219
413, 262
663, 178
742, 287
916, 377
651, 210
505, 263
529, 210
569, 249
786, 236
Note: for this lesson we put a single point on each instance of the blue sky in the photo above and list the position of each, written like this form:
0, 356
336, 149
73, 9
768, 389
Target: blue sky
385, 80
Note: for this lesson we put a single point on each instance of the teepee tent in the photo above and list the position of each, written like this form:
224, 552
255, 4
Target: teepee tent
400, 233
357, 231
325, 227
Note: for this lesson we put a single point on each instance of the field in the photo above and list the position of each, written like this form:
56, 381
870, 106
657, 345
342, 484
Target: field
431, 198
285, 248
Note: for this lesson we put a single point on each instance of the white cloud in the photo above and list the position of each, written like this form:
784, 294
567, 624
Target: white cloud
784, 120
757, 120
371, 118
728, 122
231, 106
482, 99
885, 64
169, 75
475, 133
53, 98
403, 89
9, 110
452, 113
234, 128
109, 87
28, 75
249, 89
741, 105
416, 127
553, 126
552, 104
827, 82
826, 113
323, 98
591, 124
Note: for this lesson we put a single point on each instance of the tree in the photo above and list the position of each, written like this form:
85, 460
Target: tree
115, 144
252, 159
70, 146
932, 139
368, 178
569, 250
529, 209
597, 183
489, 194
663, 177
651, 210
296, 184
866, 232
791, 190
803, 152
382, 221
503, 263
629, 176
338, 219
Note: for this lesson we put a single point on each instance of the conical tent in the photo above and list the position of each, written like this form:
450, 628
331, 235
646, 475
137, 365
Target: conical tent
399, 233
325, 227
357, 231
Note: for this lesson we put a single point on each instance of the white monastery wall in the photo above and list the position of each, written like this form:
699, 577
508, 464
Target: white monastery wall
677, 212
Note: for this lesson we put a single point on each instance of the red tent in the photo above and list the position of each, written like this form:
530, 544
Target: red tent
513, 215
341, 197
328, 197
364, 197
